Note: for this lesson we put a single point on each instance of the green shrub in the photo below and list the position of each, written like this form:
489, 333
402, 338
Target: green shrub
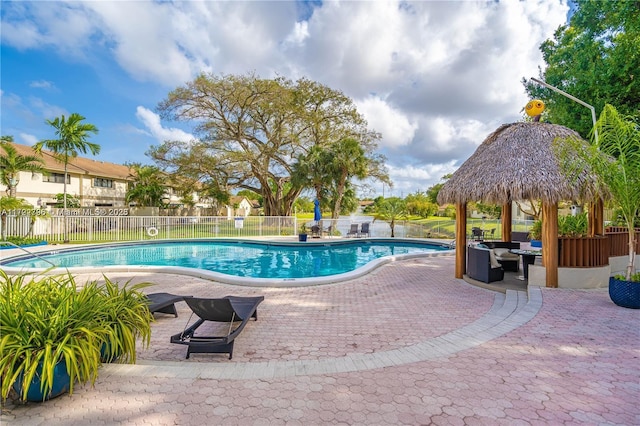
22, 241
535, 233
634, 277
127, 316
45, 320
573, 226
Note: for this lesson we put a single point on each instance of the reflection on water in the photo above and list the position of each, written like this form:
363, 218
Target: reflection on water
240, 259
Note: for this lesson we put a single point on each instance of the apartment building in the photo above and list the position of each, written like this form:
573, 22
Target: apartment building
95, 183
99, 184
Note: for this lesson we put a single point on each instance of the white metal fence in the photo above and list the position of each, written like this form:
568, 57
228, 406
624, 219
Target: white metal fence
132, 228
88, 228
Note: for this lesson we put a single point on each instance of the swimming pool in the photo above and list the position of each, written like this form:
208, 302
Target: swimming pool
235, 261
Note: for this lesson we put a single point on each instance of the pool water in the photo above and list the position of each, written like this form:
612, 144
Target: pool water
238, 258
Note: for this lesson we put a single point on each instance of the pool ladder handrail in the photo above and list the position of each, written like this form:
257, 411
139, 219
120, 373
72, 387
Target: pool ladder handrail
30, 253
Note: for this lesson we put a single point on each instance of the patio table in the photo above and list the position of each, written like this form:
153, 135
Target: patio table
528, 258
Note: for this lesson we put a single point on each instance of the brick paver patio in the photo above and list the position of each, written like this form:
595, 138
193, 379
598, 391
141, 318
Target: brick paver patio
407, 344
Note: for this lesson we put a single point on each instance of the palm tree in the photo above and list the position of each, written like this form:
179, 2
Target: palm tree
348, 160
148, 186
8, 204
619, 138
615, 158
12, 163
72, 139
391, 209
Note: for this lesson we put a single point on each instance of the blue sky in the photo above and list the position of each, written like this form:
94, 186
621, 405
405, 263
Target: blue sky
435, 78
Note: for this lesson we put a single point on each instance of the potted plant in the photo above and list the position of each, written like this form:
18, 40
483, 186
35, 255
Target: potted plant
50, 335
614, 157
126, 315
52, 331
302, 235
535, 234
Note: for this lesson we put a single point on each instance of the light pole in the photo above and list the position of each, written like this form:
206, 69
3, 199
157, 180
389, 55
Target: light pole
573, 98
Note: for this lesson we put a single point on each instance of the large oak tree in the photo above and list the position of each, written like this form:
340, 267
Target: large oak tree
253, 134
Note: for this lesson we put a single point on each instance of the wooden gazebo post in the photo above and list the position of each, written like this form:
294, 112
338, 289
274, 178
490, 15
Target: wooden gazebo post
550, 242
596, 218
507, 217
461, 239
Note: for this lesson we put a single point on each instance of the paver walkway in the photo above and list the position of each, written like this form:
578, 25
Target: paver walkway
407, 344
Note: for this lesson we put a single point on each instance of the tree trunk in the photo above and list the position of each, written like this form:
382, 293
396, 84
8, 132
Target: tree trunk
3, 223
632, 253
65, 238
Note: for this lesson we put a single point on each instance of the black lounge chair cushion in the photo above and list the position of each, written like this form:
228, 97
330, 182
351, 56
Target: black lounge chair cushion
164, 302
229, 309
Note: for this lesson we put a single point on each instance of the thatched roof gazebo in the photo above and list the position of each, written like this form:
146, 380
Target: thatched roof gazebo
517, 162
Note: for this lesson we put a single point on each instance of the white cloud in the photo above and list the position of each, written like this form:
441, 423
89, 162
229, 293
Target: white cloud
42, 84
47, 111
299, 34
435, 78
29, 139
154, 126
397, 129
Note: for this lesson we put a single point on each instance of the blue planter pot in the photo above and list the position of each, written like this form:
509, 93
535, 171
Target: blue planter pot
302, 237
624, 293
536, 243
61, 384
105, 356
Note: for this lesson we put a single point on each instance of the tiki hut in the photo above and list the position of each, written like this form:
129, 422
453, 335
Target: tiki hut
517, 162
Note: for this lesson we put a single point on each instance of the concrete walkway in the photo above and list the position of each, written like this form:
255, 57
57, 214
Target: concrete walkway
407, 344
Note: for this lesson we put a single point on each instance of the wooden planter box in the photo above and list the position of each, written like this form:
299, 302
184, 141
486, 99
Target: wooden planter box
619, 241
583, 252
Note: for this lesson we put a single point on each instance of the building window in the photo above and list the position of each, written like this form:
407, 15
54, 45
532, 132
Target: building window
55, 178
103, 183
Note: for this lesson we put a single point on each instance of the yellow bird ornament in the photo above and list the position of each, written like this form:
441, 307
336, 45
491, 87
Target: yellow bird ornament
534, 109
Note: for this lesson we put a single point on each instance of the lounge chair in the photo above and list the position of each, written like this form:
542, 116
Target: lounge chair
229, 309
364, 230
164, 302
353, 230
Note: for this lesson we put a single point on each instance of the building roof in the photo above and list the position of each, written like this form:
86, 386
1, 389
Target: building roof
78, 165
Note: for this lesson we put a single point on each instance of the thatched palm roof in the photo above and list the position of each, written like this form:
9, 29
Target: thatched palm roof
516, 162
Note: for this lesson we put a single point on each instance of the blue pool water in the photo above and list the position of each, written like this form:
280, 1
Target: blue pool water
238, 258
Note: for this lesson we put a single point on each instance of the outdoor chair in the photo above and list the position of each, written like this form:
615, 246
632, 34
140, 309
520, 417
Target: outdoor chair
477, 234
230, 309
364, 230
315, 231
353, 230
509, 261
164, 302
483, 266
328, 231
